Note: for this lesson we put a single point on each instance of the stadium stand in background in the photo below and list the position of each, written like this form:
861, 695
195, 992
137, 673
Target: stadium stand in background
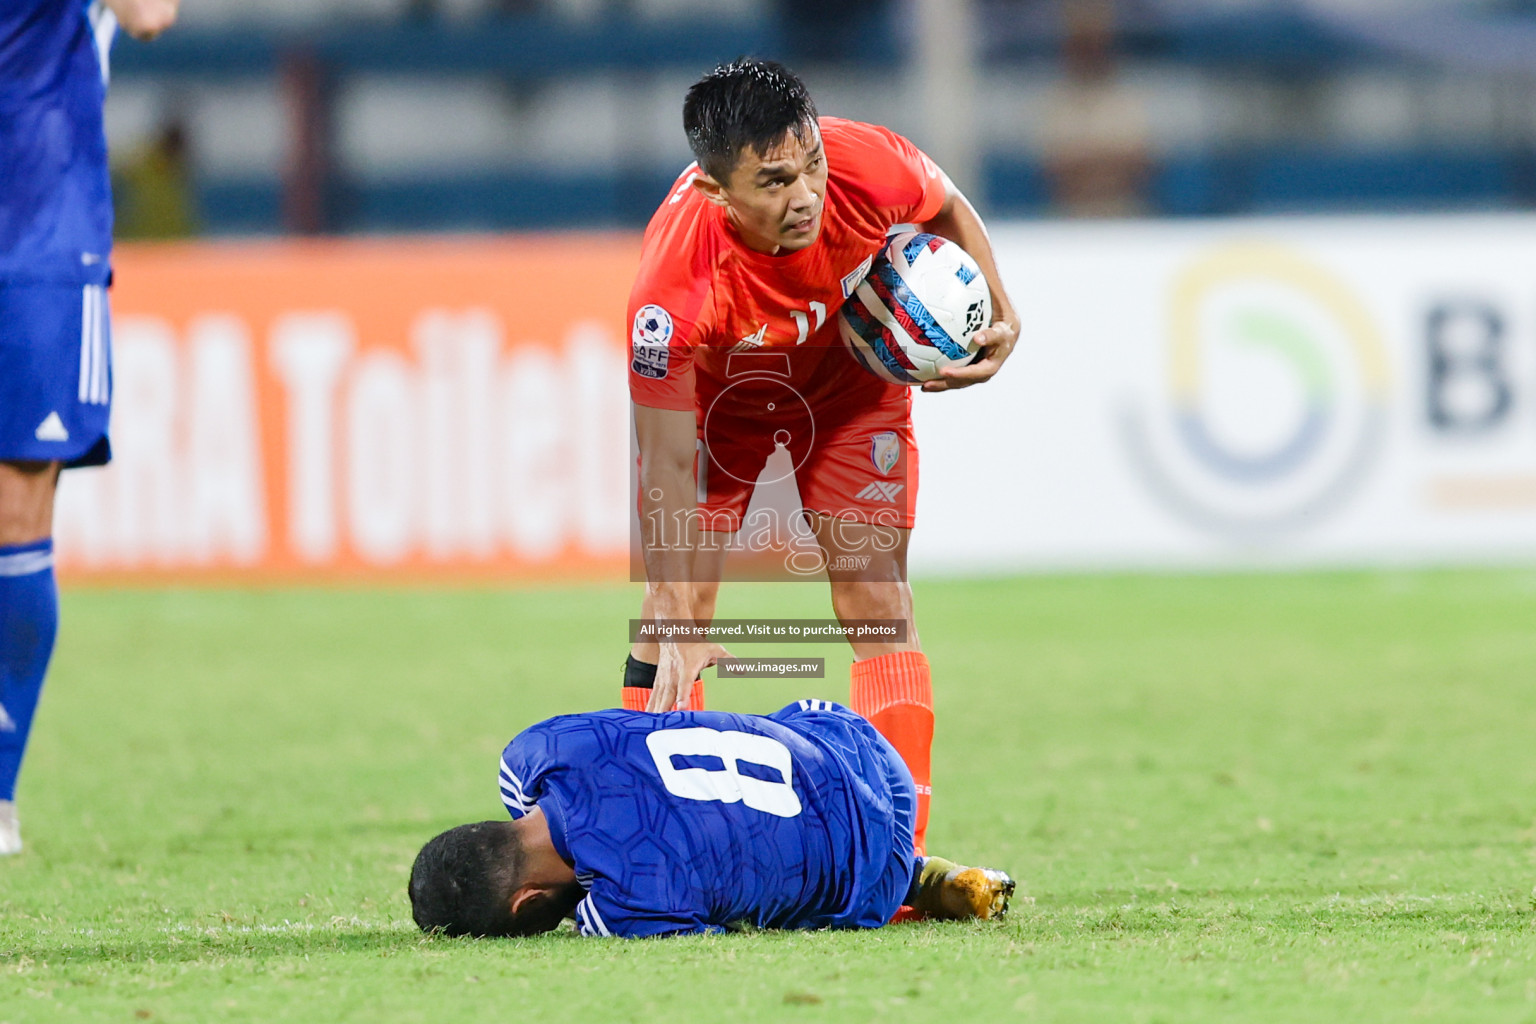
318, 116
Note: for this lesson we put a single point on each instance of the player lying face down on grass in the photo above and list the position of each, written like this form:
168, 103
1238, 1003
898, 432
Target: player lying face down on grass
640, 824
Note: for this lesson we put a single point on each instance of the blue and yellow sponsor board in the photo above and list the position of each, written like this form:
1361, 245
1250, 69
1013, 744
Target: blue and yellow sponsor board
1321, 346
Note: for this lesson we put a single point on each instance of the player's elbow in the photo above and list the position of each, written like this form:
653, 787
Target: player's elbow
145, 19
667, 447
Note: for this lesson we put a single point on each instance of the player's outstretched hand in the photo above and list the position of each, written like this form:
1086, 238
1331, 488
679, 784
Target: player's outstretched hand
678, 667
996, 343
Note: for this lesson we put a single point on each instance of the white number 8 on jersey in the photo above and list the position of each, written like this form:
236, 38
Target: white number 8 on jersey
726, 785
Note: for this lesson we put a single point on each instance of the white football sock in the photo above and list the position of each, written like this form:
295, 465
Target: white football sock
10, 829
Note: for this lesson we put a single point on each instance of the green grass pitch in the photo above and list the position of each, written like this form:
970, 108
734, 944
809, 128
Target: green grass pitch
1228, 798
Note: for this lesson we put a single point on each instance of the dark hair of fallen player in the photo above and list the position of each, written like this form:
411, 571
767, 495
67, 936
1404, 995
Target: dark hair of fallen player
748, 102
463, 881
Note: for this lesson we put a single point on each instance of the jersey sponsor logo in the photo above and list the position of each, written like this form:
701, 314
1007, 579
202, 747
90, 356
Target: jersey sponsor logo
751, 341
852, 279
884, 450
651, 336
881, 490
51, 429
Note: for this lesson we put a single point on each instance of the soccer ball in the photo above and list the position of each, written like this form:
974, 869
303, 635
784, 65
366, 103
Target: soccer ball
918, 311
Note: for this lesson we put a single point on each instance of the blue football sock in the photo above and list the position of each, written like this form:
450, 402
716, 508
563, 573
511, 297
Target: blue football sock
29, 619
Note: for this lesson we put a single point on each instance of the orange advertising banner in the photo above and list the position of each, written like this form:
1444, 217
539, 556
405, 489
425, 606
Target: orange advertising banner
395, 409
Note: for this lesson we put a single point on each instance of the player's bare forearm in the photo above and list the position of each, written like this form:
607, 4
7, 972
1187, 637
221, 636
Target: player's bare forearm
144, 19
669, 528
669, 538
669, 533
958, 221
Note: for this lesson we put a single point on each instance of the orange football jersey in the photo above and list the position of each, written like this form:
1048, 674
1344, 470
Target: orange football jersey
706, 309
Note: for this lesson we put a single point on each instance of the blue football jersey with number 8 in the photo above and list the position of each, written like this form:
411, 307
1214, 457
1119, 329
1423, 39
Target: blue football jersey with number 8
693, 820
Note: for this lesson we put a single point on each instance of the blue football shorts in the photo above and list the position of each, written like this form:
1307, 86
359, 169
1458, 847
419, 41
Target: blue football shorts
55, 373
888, 800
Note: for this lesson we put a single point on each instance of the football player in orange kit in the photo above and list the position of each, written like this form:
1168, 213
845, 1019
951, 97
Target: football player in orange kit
745, 264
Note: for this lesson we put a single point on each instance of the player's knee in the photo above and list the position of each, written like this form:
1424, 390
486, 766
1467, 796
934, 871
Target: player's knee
871, 600
26, 501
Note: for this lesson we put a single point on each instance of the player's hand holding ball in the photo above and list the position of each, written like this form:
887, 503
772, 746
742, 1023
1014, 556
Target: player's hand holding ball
993, 343
924, 316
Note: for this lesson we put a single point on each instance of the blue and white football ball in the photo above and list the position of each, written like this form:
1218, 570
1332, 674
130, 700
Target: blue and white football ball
918, 311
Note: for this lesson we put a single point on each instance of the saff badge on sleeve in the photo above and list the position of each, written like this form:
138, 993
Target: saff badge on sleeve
650, 342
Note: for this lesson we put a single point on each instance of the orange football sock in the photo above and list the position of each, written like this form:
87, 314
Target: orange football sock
895, 692
635, 698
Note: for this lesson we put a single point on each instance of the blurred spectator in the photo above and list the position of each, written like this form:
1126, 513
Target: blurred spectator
1096, 132
152, 187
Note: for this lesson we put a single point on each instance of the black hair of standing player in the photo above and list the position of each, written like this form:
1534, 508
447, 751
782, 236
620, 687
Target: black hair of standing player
463, 880
748, 102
